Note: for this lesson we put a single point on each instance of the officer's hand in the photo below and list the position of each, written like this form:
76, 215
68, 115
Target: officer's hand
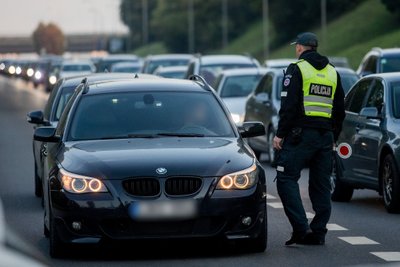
277, 143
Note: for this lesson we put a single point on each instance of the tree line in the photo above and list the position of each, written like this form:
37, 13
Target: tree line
168, 21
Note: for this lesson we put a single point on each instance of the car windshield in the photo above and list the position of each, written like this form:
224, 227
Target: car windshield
149, 115
210, 72
62, 101
172, 74
153, 65
239, 86
348, 80
390, 64
76, 67
396, 99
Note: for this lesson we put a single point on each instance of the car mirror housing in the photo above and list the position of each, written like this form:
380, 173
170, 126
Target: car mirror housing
46, 134
252, 129
370, 113
35, 117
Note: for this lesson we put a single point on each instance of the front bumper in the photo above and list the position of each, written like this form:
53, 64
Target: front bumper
105, 216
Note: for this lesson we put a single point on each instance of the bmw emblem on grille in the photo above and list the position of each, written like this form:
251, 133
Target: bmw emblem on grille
161, 170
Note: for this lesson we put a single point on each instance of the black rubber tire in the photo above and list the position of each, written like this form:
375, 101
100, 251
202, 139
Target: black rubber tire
390, 181
38, 184
342, 191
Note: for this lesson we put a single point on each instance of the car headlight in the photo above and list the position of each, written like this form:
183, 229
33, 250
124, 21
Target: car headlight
239, 180
38, 75
30, 72
79, 184
237, 118
11, 70
52, 79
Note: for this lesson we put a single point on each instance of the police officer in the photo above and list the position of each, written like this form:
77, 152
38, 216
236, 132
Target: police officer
311, 116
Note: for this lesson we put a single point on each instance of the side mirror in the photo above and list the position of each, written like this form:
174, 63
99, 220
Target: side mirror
251, 129
35, 117
45, 134
370, 113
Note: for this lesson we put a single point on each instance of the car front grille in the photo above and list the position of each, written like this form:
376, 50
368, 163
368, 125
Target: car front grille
179, 186
143, 187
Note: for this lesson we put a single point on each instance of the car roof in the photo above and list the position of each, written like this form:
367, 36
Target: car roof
279, 62
386, 51
244, 71
226, 59
120, 56
133, 85
106, 76
169, 56
170, 69
388, 76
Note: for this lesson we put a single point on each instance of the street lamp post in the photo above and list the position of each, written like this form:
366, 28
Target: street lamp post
224, 23
191, 26
145, 22
265, 28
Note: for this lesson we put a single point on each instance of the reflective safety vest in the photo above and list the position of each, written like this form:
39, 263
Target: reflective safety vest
319, 87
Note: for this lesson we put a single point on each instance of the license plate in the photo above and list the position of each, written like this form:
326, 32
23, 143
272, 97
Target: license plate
163, 210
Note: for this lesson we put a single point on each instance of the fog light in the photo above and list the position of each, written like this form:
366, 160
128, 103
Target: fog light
77, 226
246, 221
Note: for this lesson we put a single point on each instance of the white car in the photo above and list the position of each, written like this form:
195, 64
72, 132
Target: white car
234, 86
76, 68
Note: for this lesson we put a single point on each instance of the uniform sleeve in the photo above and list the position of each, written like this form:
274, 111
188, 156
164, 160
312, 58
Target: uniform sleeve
291, 100
338, 112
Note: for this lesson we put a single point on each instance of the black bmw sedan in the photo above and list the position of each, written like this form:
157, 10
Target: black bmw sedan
147, 159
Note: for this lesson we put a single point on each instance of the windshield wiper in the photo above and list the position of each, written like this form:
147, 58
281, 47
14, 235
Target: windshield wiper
181, 134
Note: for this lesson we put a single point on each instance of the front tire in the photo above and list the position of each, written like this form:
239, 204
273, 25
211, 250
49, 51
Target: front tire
390, 184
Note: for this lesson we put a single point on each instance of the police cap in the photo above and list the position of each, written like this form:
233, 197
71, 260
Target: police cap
306, 39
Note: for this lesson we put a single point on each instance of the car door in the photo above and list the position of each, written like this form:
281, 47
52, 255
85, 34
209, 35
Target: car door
262, 106
354, 102
370, 134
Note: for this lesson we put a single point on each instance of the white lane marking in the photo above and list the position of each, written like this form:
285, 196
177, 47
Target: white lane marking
276, 205
358, 240
335, 227
270, 196
310, 215
388, 256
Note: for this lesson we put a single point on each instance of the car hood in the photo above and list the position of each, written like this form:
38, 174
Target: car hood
123, 158
235, 105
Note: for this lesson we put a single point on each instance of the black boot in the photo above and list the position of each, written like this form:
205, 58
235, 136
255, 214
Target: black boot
313, 239
297, 238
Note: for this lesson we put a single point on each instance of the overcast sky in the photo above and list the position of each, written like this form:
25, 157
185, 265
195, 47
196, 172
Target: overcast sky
21, 17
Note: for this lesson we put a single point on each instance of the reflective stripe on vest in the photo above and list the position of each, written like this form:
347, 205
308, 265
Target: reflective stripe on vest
319, 87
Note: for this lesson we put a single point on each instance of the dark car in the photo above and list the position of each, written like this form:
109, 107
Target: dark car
380, 60
372, 131
265, 102
209, 66
150, 159
151, 63
58, 99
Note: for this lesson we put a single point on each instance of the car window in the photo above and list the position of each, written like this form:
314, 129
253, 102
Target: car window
358, 96
122, 115
49, 105
64, 116
390, 64
348, 80
395, 86
65, 95
266, 85
375, 98
370, 65
239, 86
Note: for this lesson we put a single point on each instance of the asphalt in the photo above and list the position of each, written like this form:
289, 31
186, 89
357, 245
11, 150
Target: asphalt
363, 220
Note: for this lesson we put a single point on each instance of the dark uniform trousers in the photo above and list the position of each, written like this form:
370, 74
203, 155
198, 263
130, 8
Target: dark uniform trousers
315, 150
